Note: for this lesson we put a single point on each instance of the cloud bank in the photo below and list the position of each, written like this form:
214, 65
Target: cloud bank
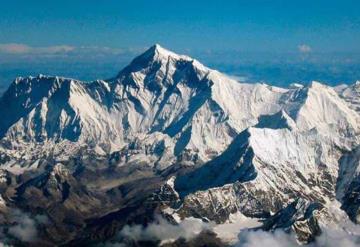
278, 238
161, 229
262, 238
14, 48
63, 50
23, 227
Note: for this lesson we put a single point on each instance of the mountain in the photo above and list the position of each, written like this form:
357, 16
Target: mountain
168, 136
350, 94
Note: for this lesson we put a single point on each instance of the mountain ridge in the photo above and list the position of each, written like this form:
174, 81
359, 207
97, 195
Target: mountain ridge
169, 135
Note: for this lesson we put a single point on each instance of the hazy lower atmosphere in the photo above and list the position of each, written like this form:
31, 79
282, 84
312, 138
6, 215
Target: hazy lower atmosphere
279, 69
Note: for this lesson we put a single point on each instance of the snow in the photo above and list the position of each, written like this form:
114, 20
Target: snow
295, 85
201, 113
2, 202
323, 108
229, 231
165, 109
351, 94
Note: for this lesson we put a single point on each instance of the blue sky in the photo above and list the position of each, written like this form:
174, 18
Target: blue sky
253, 25
273, 41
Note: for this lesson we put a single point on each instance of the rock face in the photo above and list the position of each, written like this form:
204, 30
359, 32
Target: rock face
301, 217
170, 136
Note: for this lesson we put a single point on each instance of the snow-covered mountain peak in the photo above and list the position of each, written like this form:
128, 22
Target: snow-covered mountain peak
223, 147
157, 54
351, 94
161, 93
161, 53
316, 84
157, 69
38, 85
319, 106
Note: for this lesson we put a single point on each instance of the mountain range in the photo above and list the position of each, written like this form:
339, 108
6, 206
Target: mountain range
168, 141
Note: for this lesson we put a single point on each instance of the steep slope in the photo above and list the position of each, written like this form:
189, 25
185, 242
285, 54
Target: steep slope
199, 108
351, 94
61, 109
319, 107
265, 163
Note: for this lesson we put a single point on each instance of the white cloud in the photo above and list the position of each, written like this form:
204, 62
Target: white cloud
23, 227
336, 237
54, 49
14, 48
262, 238
17, 49
303, 48
278, 238
163, 230
25, 230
